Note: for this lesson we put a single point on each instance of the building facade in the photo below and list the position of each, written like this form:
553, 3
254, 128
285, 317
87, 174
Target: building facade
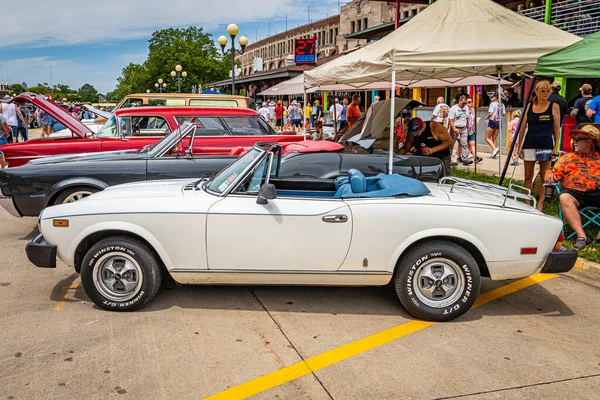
277, 52
5, 89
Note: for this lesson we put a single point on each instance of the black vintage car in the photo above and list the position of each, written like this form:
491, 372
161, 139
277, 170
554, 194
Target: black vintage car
27, 190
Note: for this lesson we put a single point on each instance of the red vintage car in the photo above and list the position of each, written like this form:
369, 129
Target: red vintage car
220, 131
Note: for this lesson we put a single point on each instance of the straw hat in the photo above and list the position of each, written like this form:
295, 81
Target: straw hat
590, 131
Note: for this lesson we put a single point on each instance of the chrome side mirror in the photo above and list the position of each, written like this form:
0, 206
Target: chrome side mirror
267, 192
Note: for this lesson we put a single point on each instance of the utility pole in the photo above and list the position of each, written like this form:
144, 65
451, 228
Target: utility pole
286, 23
309, 14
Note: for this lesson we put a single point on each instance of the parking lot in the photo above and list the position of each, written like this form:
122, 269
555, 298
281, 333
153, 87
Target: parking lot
533, 338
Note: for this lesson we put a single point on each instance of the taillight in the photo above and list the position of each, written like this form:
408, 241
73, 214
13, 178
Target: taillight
559, 242
528, 250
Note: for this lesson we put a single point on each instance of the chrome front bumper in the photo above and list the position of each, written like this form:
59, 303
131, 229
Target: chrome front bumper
9, 205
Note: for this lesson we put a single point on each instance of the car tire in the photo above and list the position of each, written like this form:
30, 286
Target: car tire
74, 193
437, 281
121, 274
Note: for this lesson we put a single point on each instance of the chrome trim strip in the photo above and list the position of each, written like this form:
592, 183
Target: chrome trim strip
9, 205
24, 157
267, 271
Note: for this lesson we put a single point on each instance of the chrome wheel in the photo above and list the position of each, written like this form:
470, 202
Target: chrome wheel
117, 276
75, 196
439, 283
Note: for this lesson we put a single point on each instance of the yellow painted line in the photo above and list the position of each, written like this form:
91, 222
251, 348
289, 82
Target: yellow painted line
341, 353
64, 291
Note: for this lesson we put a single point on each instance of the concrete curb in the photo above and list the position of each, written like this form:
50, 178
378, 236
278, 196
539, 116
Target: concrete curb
587, 269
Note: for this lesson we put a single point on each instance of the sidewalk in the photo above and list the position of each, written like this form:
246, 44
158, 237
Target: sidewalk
492, 166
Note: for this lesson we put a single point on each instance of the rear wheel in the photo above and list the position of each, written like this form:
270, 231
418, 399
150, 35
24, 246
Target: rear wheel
120, 274
75, 193
437, 281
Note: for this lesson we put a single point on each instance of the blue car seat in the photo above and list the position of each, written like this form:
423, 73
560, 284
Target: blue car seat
358, 182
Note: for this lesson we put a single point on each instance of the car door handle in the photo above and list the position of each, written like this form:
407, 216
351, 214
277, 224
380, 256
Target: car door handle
335, 219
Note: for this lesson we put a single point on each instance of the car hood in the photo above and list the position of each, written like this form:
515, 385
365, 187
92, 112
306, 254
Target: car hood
53, 109
164, 197
101, 156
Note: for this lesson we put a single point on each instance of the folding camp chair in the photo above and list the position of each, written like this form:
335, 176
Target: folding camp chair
590, 216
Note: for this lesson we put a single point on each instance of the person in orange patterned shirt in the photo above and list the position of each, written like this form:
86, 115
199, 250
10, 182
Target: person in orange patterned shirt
579, 174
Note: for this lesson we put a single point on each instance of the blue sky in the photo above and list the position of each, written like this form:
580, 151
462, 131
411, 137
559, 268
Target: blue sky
81, 43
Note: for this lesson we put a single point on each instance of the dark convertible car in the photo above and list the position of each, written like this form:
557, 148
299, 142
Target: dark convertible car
27, 190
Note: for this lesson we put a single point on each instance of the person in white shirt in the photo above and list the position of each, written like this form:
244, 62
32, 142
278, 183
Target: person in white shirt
440, 113
458, 116
492, 131
376, 99
338, 112
264, 112
11, 113
4, 132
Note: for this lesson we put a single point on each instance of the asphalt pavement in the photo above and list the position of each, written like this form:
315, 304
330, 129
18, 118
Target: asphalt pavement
528, 339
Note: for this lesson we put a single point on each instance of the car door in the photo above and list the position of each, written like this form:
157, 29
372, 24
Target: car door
299, 234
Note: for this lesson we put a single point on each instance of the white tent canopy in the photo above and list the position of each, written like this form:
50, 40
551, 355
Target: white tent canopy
295, 85
449, 39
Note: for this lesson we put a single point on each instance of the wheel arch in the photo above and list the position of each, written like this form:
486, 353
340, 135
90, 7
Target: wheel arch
59, 187
93, 234
467, 241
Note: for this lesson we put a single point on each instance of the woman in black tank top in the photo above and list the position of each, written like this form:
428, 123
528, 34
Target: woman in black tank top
542, 120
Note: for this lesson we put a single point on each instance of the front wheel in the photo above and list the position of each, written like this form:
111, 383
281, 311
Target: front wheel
120, 274
73, 194
437, 281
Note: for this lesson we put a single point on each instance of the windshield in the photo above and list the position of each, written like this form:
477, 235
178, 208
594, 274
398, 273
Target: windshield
159, 148
109, 129
225, 178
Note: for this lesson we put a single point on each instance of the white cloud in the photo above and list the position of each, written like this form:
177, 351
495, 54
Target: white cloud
59, 22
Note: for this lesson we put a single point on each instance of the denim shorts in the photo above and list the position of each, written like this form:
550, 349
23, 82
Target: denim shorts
540, 155
472, 137
2, 140
493, 125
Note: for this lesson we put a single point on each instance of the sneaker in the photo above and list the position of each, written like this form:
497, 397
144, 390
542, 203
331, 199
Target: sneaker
581, 243
479, 159
495, 153
467, 162
514, 162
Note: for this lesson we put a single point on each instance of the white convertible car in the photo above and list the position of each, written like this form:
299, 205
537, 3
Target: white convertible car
248, 226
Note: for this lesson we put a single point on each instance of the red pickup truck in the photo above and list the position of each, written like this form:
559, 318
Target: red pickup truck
221, 130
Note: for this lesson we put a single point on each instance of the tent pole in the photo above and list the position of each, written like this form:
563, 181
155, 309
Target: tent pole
513, 144
304, 112
335, 121
392, 114
475, 123
499, 120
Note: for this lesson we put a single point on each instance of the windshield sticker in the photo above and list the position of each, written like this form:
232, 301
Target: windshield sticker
227, 182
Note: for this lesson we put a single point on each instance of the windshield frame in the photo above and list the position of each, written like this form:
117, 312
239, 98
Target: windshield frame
161, 147
250, 167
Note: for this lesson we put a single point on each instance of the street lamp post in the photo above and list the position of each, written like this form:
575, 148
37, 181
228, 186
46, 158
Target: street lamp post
233, 30
178, 76
161, 86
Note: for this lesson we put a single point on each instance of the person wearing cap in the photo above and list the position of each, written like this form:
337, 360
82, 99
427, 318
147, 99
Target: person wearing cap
558, 99
579, 175
430, 139
582, 104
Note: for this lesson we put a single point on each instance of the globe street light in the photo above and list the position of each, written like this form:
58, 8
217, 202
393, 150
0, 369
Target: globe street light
233, 30
161, 86
178, 76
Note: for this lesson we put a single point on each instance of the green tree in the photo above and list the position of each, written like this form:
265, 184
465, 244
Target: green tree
87, 93
18, 88
134, 79
191, 48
